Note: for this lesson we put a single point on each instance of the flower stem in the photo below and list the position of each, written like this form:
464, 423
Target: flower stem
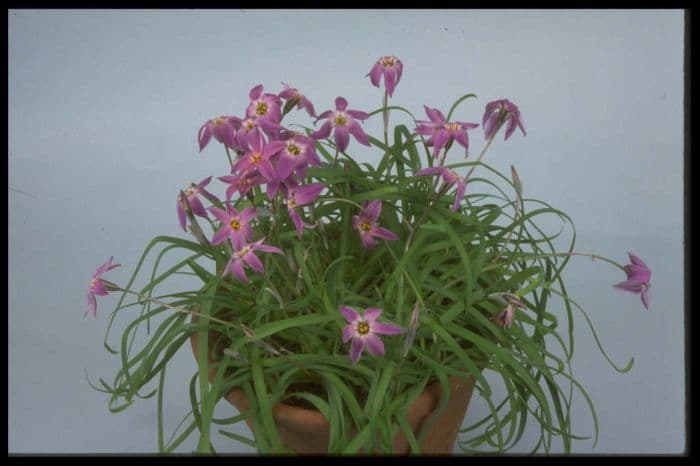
228, 154
483, 152
559, 254
385, 114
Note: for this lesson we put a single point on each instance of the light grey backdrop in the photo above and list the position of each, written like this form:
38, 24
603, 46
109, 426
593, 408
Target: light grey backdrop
104, 107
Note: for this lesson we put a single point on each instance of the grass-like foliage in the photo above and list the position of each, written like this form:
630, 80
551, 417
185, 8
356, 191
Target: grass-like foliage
468, 279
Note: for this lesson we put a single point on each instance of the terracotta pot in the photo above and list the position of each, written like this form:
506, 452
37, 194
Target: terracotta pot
307, 431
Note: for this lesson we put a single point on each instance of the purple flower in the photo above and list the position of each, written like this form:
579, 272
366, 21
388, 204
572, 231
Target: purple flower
638, 278
265, 106
246, 255
391, 68
97, 286
364, 331
450, 177
241, 183
253, 128
504, 319
259, 158
497, 113
234, 225
442, 132
223, 129
366, 224
298, 152
193, 201
294, 97
344, 123
298, 196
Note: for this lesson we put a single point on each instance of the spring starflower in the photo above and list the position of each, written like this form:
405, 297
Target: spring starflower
366, 224
245, 255
390, 68
364, 331
499, 112
97, 286
638, 279
450, 177
344, 123
442, 132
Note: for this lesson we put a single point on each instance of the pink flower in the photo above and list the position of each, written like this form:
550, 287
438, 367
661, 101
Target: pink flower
253, 128
441, 132
97, 286
366, 224
391, 68
223, 129
450, 177
504, 319
638, 279
364, 330
245, 255
193, 201
298, 196
497, 113
344, 123
298, 151
241, 183
234, 225
266, 106
294, 97
258, 158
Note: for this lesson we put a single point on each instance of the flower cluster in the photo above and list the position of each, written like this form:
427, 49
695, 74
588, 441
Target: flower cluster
300, 222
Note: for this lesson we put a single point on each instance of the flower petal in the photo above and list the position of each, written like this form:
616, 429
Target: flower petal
372, 210
372, 313
374, 345
220, 235
375, 74
340, 103
390, 80
204, 136
348, 332
359, 133
645, 297
181, 215
237, 269
383, 233
252, 260
383, 328
356, 349
255, 92
350, 314
341, 136
308, 193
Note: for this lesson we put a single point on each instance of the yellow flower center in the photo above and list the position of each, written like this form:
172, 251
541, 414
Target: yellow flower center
340, 120
291, 202
365, 226
93, 283
363, 328
293, 149
452, 126
249, 125
388, 62
261, 109
189, 191
243, 252
219, 121
235, 224
255, 158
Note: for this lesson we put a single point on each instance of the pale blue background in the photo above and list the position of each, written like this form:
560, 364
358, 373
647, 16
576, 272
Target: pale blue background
104, 107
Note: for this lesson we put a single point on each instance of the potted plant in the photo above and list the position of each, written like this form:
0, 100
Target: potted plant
351, 307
